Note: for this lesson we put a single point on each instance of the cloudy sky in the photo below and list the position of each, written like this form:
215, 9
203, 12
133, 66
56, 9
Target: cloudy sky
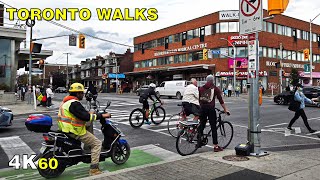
169, 13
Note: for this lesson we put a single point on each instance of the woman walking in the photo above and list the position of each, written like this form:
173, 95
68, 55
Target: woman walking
300, 97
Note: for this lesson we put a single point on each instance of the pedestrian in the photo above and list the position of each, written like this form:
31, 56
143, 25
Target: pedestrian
300, 97
207, 95
229, 90
23, 92
237, 91
49, 96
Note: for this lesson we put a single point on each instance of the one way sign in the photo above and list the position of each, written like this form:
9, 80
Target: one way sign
251, 17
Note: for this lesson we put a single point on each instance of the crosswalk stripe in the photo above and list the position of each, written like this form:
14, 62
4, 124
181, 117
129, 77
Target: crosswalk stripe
14, 146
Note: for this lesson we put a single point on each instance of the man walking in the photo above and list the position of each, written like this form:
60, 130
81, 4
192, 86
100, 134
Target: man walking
49, 96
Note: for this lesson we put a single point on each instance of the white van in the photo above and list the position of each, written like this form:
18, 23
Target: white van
172, 88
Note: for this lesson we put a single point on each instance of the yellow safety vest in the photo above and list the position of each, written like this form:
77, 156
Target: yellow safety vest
68, 123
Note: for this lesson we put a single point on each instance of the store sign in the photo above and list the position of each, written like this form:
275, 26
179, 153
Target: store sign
238, 40
288, 65
243, 63
229, 73
183, 49
228, 15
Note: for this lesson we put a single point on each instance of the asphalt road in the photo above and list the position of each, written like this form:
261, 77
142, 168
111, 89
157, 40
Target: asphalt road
274, 119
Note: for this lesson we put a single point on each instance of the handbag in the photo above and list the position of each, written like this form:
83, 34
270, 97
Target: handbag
40, 97
294, 105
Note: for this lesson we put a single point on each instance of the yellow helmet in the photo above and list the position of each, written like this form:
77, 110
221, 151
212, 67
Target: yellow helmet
76, 87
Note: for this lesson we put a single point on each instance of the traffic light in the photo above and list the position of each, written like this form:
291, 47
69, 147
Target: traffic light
82, 41
283, 73
306, 54
41, 63
276, 7
205, 54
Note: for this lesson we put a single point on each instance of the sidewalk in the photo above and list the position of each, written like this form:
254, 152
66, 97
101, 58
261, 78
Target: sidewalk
22, 107
287, 165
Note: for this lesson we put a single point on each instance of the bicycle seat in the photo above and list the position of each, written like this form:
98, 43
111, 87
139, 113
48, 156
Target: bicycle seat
189, 123
179, 104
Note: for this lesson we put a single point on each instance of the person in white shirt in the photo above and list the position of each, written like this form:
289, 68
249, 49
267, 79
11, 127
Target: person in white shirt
49, 96
190, 100
230, 88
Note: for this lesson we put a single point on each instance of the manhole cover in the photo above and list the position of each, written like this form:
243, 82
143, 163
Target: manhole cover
235, 158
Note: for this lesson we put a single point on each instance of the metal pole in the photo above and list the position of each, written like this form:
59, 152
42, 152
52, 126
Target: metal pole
67, 81
280, 73
44, 73
116, 76
234, 70
310, 53
30, 64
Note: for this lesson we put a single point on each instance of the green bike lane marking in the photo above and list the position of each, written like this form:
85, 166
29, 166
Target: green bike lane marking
137, 158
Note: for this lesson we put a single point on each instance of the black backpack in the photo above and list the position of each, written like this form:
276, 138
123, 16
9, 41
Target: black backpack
205, 97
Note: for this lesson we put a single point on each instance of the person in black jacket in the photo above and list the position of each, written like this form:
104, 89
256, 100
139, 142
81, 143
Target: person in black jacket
144, 99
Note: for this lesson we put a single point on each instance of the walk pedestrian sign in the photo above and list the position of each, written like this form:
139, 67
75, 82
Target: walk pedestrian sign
251, 16
306, 67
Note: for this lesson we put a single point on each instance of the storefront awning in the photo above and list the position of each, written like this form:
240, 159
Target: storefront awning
307, 74
114, 76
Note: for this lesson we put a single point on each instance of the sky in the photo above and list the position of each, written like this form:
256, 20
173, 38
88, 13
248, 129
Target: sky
169, 13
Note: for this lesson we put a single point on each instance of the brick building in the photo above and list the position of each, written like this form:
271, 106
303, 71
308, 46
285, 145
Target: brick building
175, 52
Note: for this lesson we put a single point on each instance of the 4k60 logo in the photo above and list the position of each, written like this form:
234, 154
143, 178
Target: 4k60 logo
24, 162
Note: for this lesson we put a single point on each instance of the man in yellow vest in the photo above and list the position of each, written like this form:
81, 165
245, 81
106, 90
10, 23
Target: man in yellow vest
72, 118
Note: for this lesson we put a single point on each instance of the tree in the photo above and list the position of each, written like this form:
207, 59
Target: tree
294, 76
59, 79
23, 79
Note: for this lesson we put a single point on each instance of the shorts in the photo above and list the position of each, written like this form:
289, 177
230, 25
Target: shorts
145, 104
190, 108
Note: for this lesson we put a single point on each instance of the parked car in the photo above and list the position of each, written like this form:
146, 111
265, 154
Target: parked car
141, 89
6, 117
285, 97
61, 90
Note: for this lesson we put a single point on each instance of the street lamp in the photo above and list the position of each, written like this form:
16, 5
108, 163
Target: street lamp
311, 58
234, 63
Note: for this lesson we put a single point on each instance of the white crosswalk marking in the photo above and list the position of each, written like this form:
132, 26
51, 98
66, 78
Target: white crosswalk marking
14, 146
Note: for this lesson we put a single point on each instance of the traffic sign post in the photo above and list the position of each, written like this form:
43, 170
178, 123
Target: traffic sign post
250, 20
251, 16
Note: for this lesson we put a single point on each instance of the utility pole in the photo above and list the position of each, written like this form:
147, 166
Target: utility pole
67, 82
30, 23
116, 76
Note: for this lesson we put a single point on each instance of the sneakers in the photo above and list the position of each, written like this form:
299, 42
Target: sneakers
147, 122
93, 172
217, 149
289, 128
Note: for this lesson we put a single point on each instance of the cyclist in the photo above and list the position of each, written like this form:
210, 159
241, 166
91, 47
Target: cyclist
208, 93
92, 93
144, 99
190, 100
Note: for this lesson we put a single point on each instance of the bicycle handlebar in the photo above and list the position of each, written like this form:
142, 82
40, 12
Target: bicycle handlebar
222, 112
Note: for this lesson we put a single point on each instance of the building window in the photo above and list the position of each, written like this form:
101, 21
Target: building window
241, 52
260, 52
184, 38
279, 29
171, 39
274, 52
202, 33
293, 55
190, 34
284, 54
233, 27
279, 54
288, 31
160, 42
224, 27
269, 52
135, 48
171, 59
269, 27
177, 37
195, 56
264, 26
196, 33
189, 57
264, 51
217, 26
314, 37
298, 33
208, 30
153, 43
299, 56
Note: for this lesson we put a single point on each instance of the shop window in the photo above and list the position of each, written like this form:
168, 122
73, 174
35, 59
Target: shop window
224, 27
208, 30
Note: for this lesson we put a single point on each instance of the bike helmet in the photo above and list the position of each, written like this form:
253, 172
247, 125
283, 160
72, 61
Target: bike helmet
76, 87
152, 85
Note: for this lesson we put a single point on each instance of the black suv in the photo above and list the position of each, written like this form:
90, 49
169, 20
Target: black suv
285, 97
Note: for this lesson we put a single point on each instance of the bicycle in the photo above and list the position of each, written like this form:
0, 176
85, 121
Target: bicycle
137, 116
187, 140
95, 104
175, 119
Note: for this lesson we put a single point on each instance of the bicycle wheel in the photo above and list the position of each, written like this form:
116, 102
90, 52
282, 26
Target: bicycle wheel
158, 115
97, 106
186, 142
136, 118
88, 105
225, 134
174, 120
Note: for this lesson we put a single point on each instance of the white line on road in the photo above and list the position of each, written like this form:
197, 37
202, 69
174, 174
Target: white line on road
15, 146
275, 125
